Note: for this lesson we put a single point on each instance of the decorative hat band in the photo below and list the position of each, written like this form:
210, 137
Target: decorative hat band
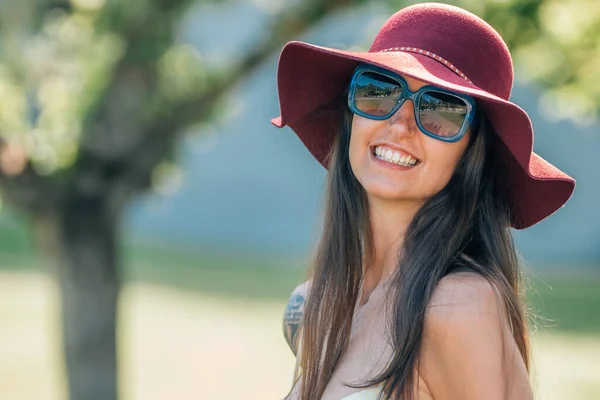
430, 55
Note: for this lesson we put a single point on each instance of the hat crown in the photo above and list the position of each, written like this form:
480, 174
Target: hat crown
456, 35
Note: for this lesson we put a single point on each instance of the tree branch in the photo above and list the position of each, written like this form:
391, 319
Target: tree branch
289, 25
138, 148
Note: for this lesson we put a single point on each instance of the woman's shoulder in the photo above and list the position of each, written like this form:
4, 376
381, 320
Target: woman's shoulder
466, 333
294, 313
460, 291
298, 296
302, 289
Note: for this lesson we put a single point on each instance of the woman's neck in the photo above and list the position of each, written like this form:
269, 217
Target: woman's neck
389, 221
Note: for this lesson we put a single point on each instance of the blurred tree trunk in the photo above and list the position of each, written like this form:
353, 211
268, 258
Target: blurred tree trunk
81, 239
90, 284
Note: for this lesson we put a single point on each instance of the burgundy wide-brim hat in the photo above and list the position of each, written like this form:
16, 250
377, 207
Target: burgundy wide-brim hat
445, 46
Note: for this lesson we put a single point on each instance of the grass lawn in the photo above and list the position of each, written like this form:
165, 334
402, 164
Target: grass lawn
193, 327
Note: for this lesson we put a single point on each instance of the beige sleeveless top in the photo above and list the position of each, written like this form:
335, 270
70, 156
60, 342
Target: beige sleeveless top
368, 353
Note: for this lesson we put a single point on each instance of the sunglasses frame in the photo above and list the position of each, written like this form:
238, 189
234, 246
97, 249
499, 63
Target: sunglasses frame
415, 97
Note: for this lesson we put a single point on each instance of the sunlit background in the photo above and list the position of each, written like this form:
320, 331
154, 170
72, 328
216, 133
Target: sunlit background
145, 192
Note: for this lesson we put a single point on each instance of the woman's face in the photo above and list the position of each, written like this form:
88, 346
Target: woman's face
400, 134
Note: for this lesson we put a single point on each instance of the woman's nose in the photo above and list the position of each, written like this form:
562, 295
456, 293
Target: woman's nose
403, 121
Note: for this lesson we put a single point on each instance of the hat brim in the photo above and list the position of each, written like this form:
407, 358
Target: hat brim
310, 77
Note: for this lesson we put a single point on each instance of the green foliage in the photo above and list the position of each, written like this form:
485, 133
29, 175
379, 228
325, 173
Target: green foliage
48, 86
555, 44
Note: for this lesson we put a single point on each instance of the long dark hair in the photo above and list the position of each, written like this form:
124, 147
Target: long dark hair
465, 224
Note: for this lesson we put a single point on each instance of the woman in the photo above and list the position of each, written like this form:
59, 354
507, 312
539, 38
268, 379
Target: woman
415, 288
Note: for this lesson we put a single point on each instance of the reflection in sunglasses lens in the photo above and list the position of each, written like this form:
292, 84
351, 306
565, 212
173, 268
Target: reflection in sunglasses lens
376, 94
442, 114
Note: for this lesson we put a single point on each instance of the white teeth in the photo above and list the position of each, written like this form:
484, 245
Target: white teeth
395, 157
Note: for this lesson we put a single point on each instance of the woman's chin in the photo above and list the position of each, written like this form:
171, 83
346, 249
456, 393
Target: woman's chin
389, 193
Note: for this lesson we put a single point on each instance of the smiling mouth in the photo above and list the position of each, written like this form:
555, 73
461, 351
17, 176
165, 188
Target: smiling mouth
394, 157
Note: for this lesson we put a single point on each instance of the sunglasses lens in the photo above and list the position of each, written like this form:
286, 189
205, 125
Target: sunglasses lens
376, 94
442, 114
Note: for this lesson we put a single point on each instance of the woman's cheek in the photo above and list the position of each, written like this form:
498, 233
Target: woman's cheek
438, 178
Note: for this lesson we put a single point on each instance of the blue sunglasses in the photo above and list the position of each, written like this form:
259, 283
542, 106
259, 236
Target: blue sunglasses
377, 93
